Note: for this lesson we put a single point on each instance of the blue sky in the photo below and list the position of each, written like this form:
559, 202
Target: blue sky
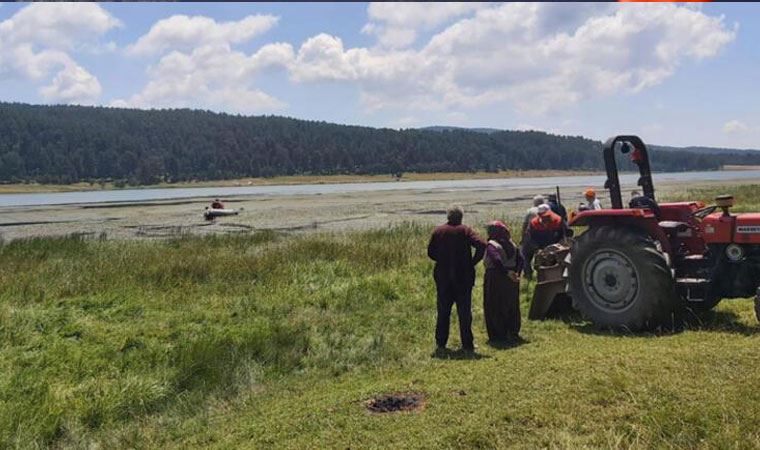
675, 74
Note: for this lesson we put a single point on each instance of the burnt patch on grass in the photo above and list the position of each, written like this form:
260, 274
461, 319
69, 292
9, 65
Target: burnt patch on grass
400, 401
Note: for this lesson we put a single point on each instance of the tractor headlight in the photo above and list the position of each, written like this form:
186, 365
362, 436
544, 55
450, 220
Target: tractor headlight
734, 253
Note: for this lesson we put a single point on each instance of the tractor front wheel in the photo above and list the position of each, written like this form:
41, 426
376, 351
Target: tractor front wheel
619, 279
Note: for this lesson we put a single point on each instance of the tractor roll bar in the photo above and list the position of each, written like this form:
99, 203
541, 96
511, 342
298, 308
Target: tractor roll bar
640, 157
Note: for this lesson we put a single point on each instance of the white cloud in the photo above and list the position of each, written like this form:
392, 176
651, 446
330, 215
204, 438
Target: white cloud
200, 68
534, 56
323, 57
735, 126
406, 122
57, 25
35, 43
182, 32
214, 77
73, 84
397, 24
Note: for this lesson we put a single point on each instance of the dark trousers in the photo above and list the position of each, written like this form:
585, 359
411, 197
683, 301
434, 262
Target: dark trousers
528, 250
448, 295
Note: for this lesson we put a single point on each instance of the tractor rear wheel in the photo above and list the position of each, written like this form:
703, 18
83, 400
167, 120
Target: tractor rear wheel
618, 278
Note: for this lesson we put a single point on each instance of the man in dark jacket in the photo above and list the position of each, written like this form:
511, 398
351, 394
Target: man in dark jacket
644, 202
557, 207
451, 248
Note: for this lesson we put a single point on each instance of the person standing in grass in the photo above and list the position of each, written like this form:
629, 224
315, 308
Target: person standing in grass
592, 203
501, 285
528, 248
451, 248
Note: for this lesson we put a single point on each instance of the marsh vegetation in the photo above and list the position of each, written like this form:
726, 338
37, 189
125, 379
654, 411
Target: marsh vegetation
273, 339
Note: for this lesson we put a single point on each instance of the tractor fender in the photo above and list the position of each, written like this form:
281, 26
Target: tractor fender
631, 218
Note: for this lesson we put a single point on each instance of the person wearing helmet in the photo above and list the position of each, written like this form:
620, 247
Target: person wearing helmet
592, 203
545, 229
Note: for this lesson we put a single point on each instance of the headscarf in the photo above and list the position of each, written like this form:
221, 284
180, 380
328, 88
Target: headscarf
498, 231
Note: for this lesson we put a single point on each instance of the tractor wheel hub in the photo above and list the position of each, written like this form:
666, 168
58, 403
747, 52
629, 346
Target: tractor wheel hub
611, 280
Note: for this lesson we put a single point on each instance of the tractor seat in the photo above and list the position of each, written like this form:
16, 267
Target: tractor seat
674, 227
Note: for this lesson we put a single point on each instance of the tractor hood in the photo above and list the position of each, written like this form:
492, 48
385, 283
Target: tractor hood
748, 228
739, 228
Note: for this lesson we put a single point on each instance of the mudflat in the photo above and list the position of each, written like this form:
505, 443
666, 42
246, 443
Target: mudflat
296, 213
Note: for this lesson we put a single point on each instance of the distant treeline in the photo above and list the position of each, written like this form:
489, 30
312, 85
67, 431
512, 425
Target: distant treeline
65, 144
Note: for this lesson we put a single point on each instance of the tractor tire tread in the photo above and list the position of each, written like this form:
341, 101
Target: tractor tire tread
657, 300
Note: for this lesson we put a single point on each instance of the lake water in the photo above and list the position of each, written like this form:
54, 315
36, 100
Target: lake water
538, 183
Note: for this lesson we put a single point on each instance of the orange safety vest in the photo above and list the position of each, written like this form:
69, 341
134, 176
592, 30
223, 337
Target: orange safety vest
553, 225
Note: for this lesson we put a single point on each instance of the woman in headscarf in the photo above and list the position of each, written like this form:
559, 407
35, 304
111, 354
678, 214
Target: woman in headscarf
501, 285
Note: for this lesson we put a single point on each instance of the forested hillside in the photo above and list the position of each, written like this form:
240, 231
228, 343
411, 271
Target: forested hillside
64, 144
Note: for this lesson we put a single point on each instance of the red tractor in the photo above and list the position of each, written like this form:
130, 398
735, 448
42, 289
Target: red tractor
637, 264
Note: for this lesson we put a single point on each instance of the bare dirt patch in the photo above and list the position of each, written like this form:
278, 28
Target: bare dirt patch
404, 401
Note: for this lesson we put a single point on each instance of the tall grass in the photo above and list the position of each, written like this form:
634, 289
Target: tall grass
746, 196
93, 333
273, 340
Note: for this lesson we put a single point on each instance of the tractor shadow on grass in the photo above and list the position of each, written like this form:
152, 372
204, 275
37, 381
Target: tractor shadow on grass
685, 320
720, 321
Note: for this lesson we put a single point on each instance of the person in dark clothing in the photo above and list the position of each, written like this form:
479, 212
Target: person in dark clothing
644, 202
545, 229
451, 248
526, 246
501, 285
557, 207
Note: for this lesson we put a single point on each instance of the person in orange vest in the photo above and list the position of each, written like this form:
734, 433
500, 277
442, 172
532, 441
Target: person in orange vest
545, 229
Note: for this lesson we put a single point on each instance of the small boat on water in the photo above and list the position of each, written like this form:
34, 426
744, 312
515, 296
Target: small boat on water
213, 213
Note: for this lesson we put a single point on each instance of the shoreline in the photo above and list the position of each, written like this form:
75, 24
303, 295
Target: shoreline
35, 188
290, 180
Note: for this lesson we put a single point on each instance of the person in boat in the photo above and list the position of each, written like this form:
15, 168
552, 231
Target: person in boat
501, 285
451, 247
217, 204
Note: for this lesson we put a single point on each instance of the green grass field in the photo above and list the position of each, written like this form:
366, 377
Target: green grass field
271, 340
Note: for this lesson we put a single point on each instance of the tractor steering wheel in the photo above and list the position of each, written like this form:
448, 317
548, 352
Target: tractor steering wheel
704, 212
